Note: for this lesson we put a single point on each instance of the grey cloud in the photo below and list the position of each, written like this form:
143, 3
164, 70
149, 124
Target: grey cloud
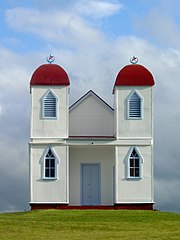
161, 23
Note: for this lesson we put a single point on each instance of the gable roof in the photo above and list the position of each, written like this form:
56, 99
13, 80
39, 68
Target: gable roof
91, 116
85, 96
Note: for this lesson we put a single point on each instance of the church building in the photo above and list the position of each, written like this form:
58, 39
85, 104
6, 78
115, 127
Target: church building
90, 155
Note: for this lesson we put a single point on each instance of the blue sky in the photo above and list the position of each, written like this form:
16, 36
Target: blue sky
92, 40
123, 18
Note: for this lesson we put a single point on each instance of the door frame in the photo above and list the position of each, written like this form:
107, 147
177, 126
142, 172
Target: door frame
81, 181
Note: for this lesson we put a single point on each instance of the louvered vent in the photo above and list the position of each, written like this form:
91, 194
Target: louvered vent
134, 106
50, 106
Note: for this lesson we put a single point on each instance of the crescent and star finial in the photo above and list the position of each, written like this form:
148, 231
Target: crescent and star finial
50, 58
134, 60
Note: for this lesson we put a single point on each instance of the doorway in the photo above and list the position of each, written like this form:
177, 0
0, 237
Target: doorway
90, 184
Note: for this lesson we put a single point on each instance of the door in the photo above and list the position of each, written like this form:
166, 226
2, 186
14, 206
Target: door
90, 186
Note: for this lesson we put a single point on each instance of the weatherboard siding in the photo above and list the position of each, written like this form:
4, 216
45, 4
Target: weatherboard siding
138, 190
44, 190
91, 118
104, 156
53, 128
133, 128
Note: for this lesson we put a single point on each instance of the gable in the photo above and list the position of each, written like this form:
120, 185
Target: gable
91, 116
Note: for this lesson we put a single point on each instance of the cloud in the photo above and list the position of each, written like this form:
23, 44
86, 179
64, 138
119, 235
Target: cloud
167, 195
98, 9
14, 119
93, 8
58, 26
161, 23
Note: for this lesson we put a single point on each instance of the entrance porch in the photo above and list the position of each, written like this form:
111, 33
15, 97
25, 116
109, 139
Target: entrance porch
91, 175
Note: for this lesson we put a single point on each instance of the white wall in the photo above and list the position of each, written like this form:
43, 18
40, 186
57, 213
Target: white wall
132, 190
91, 154
54, 128
133, 128
48, 190
91, 118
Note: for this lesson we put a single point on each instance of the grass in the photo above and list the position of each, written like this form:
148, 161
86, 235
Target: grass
90, 224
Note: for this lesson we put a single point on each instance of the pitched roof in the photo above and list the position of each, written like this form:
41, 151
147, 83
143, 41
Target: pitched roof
86, 95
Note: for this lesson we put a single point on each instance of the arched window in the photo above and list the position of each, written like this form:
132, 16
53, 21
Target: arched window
134, 106
134, 164
49, 105
49, 165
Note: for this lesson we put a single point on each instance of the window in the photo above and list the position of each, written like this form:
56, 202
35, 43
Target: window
49, 105
134, 106
134, 164
49, 165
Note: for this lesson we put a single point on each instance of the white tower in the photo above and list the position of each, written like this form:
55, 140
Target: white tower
49, 127
133, 100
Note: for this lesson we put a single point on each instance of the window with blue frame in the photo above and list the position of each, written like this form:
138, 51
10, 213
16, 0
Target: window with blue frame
49, 106
134, 106
134, 164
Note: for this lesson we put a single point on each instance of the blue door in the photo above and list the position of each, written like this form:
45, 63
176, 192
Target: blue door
90, 186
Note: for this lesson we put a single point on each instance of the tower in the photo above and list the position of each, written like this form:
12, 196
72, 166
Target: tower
49, 87
133, 100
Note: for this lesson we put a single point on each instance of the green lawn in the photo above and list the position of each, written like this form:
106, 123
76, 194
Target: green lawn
90, 224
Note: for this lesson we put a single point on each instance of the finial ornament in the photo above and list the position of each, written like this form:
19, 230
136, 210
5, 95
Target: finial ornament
134, 60
50, 58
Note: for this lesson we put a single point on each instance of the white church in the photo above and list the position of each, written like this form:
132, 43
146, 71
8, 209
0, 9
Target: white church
90, 155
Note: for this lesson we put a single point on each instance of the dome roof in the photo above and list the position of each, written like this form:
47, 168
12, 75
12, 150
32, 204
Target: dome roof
49, 74
134, 75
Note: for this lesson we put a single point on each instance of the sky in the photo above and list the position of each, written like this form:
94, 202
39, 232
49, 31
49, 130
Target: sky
92, 40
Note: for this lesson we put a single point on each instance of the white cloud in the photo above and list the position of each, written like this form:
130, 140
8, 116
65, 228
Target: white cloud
93, 8
58, 26
162, 24
1, 109
98, 9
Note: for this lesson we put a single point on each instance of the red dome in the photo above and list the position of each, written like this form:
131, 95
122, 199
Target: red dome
49, 74
134, 75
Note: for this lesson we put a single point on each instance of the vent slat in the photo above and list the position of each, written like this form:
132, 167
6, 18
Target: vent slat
50, 105
134, 106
